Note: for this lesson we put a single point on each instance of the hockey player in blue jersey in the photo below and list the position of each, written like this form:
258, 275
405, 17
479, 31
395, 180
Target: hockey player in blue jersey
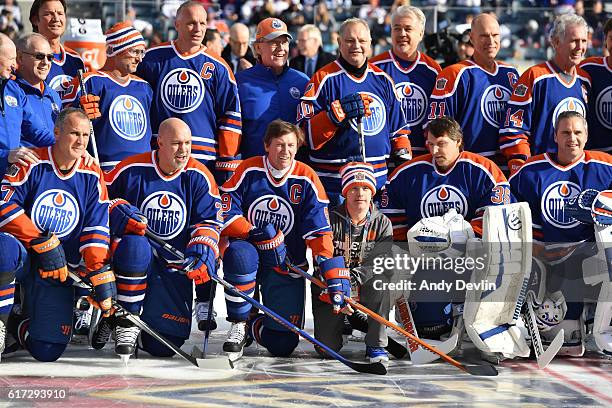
474, 92
199, 88
429, 186
543, 92
48, 17
117, 102
54, 217
599, 108
345, 96
547, 182
413, 72
270, 90
180, 200
275, 208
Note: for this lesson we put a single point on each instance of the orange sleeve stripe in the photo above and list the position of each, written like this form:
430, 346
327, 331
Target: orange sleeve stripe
522, 148
126, 286
95, 236
231, 121
8, 209
7, 291
510, 138
239, 228
229, 143
203, 148
23, 229
322, 245
322, 129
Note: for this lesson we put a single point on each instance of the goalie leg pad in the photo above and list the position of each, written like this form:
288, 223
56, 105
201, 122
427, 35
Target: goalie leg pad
602, 324
240, 263
131, 262
490, 316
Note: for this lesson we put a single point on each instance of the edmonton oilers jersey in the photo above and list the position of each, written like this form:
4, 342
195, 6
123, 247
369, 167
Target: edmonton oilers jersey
333, 82
201, 90
476, 99
296, 204
413, 86
539, 97
177, 207
39, 198
64, 67
417, 190
547, 187
599, 113
124, 129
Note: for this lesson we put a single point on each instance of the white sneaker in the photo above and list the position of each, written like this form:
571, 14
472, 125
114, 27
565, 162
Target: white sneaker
201, 314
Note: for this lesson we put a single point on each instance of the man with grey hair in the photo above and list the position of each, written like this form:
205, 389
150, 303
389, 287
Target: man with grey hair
413, 72
34, 60
475, 91
237, 53
17, 113
311, 56
543, 92
350, 112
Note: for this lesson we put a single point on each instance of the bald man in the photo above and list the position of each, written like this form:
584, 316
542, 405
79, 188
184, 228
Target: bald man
180, 200
475, 91
17, 113
237, 53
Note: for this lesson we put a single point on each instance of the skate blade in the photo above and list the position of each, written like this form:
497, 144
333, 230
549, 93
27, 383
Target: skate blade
125, 358
545, 358
234, 356
423, 356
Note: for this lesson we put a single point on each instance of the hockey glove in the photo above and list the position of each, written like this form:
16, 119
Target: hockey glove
514, 165
104, 288
126, 219
50, 257
200, 258
270, 244
224, 169
91, 106
352, 106
338, 279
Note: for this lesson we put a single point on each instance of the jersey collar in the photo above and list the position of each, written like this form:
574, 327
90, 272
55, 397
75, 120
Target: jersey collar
271, 178
558, 166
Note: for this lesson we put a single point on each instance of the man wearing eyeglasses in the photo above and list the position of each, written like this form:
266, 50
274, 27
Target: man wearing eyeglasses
34, 58
117, 101
17, 113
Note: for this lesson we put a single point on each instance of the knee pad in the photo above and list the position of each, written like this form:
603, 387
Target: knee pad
155, 348
44, 351
132, 256
279, 343
240, 262
11, 259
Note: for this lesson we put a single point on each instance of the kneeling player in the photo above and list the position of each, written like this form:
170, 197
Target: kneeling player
180, 200
429, 186
360, 234
547, 182
55, 216
274, 207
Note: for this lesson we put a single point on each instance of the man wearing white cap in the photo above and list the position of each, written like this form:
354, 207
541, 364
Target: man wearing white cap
117, 101
360, 234
270, 90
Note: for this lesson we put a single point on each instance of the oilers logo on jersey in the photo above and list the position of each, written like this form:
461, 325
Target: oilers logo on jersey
61, 84
568, 104
440, 199
413, 102
553, 203
166, 214
373, 124
182, 90
604, 107
493, 104
55, 211
271, 209
128, 117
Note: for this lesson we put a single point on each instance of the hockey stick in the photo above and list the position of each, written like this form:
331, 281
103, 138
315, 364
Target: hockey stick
369, 368
481, 370
396, 349
196, 351
419, 355
361, 139
542, 357
120, 311
92, 135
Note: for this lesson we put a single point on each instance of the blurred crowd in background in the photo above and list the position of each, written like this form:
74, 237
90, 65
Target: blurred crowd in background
524, 23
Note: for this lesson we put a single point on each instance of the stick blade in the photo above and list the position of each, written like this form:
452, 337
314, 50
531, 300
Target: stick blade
211, 363
481, 370
423, 356
552, 350
369, 368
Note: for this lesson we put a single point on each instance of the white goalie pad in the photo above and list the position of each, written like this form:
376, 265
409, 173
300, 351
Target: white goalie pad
598, 268
491, 316
602, 325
